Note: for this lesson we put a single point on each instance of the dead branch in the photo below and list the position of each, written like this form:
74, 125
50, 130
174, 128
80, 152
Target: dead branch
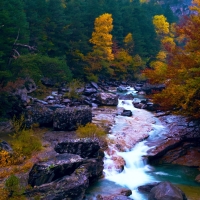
30, 48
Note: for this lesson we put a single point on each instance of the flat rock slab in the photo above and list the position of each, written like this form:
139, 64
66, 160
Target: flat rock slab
54, 168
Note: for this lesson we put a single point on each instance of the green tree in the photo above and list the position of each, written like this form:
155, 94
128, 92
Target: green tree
13, 28
37, 66
56, 29
36, 12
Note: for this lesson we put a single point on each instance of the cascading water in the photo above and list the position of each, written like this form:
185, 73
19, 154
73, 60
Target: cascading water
130, 140
136, 170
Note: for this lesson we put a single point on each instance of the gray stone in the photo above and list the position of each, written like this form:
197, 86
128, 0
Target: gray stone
84, 147
5, 146
38, 114
70, 118
55, 168
67, 187
108, 99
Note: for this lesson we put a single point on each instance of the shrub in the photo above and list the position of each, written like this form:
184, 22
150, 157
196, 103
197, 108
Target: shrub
25, 142
73, 86
91, 130
12, 185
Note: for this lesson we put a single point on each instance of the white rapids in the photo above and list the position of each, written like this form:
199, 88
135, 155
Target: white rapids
129, 133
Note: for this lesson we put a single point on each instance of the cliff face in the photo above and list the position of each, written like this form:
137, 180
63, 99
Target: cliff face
178, 7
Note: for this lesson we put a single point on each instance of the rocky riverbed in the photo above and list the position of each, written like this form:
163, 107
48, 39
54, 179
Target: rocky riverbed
175, 147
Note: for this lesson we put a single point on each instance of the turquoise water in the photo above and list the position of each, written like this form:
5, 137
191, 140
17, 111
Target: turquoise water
137, 172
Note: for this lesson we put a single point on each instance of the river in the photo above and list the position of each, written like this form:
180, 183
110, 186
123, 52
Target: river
134, 136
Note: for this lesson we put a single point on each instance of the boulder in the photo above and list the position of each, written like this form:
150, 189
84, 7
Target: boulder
107, 99
38, 114
4, 146
147, 188
70, 117
122, 89
85, 147
48, 82
123, 194
126, 97
95, 85
166, 191
127, 113
68, 187
151, 106
94, 168
89, 90
6, 127
30, 85
139, 105
55, 168
66, 176
113, 197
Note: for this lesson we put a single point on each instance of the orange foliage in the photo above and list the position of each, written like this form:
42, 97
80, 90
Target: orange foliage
182, 68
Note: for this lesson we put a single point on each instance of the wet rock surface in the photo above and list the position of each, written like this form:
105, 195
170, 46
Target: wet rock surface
165, 190
179, 146
107, 99
122, 194
66, 176
67, 187
57, 167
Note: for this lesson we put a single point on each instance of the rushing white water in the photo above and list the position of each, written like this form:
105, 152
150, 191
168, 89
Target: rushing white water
136, 171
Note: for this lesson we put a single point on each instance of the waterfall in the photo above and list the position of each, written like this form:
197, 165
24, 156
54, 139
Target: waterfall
130, 140
136, 172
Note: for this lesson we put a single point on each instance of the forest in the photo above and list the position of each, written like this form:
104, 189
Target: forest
75, 43
97, 39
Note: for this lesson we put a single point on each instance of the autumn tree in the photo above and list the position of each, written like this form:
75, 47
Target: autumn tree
101, 37
101, 56
165, 33
182, 71
129, 43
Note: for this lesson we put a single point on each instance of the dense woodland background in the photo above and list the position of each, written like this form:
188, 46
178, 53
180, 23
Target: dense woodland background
58, 32
101, 39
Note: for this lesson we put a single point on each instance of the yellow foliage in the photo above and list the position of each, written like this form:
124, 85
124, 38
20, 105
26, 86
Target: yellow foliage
5, 158
25, 142
128, 38
90, 130
129, 43
161, 24
4, 194
144, 1
13, 169
101, 37
137, 61
168, 40
161, 56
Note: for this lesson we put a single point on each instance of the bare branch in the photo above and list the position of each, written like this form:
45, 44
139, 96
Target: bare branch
15, 51
16, 37
31, 48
